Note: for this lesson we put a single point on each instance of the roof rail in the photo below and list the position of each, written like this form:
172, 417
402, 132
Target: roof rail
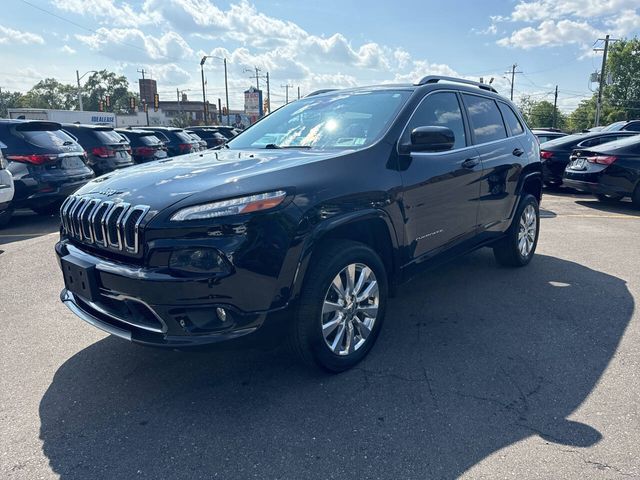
318, 92
440, 78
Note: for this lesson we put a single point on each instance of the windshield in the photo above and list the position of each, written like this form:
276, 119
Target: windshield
150, 140
49, 138
339, 120
109, 137
620, 143
613, 127
566, 140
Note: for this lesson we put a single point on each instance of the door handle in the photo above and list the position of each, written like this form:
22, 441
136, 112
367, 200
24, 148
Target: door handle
517, 152
470, 162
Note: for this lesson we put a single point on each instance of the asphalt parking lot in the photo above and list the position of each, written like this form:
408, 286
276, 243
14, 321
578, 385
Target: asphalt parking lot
480, 372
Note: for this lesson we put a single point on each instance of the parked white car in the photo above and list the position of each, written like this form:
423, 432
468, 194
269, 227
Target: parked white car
6, 190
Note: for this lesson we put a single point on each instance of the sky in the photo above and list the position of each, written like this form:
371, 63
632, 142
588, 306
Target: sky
312, 45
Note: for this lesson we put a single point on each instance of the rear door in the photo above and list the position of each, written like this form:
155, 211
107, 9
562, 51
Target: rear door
501, 154
441, 189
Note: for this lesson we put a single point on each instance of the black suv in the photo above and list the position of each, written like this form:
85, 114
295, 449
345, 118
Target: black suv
106, 149
306, 220
177, 141
145, 145
46, 164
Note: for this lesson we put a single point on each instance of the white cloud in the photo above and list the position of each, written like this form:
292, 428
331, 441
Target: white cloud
169, 74
130, 44
537, 10
551, 33
9, 35
107, 12
68, 50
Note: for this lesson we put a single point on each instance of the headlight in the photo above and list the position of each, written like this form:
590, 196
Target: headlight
235, 206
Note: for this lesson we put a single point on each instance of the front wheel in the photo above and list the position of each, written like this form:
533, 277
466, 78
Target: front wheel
518, 246
609, 198
341, 306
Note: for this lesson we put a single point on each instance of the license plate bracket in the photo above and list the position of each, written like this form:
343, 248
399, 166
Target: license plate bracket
80, 277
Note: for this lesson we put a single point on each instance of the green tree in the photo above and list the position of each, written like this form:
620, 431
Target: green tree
583, 116
540, 113
9, 100
622, 96
103, 83
50, 93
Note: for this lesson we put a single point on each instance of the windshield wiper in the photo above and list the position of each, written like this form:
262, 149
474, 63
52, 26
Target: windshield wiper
273, 145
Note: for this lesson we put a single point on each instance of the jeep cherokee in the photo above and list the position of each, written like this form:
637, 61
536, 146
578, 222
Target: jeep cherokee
317, 211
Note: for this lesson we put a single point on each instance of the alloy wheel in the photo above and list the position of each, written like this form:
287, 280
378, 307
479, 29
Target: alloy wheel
527, 230
350, 309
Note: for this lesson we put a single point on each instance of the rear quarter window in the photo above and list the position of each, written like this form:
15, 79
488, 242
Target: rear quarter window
511, 120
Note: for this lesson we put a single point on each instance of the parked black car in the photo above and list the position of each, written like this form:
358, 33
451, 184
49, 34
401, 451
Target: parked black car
610, 171
227, 132
46, 163
202, 144
555, 153
310, 216
177, 141
106, 149
212, 137
6, 190
623, 126
145, 145
544, 135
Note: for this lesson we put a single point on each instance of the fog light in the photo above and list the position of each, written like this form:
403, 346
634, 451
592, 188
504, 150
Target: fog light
222, 314
198, 261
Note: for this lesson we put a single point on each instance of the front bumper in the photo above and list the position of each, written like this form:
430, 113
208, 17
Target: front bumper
141, 306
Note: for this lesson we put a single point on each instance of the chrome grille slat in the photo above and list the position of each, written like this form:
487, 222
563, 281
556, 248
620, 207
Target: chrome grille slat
106, 224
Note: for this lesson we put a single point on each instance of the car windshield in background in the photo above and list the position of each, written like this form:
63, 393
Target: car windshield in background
340, 120
184, 136
614, 126
48, 138
109, 136
566, 139
150, 140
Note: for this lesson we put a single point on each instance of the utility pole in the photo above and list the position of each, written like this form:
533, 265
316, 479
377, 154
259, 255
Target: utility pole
298, 92
286, 92
79, 91
256, 76
268, 95
555, 107
204, 96
603, 76
513, 77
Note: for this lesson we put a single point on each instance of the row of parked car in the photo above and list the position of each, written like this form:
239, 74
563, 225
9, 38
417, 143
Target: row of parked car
42, 162
604, 161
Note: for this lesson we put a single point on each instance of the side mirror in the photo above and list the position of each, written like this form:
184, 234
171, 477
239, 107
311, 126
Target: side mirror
431, 139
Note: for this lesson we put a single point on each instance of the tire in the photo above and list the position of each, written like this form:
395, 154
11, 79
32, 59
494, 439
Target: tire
508, 250
5, 217
50, 209
609, 198
635, 198
353, 319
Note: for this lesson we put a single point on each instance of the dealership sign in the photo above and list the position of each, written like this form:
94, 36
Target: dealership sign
253, 102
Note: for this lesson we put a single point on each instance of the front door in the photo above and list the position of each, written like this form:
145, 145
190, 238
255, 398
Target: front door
440, 189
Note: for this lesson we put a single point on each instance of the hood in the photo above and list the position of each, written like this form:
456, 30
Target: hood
218, 173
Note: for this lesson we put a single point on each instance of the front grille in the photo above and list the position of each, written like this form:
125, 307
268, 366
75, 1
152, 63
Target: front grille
106, 224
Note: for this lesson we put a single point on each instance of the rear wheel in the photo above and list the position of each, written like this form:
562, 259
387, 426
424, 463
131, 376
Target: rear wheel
635, 198
5, 216
518, 246
608, 198
341, 306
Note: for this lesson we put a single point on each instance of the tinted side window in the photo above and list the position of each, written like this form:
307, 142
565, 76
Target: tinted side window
441, 110
511, 119
633, 127
485, 118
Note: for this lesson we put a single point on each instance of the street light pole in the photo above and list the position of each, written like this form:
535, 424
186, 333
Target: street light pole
204, 97
78, 78
226, 90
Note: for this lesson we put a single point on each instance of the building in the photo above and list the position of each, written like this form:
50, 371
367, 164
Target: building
185, 108
148, 90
